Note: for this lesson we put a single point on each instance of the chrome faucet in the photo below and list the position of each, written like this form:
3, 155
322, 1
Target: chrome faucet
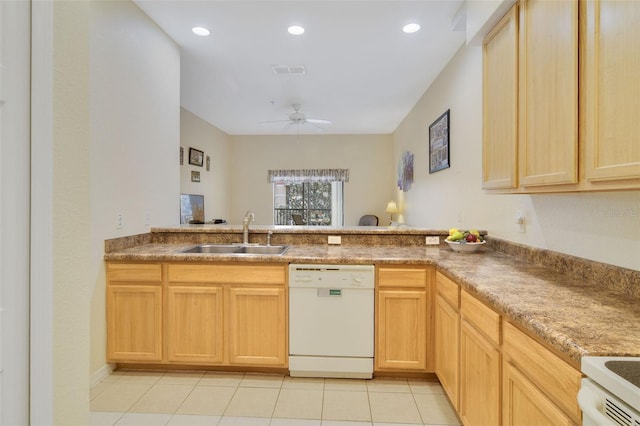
248, 217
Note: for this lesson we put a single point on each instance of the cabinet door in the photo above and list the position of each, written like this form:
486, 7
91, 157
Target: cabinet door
194, 324
447, 326
611, 95
500, 96
257, 326
523, 404
134, 323
479, 378
548, 95
401, 330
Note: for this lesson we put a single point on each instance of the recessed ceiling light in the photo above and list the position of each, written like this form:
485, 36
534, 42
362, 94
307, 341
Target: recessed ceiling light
201, 31
295, 30
411, 28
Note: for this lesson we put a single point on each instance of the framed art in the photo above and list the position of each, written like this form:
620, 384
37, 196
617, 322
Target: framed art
208, 163
405, 171
196, 157
195, 176
181, 156
439, 143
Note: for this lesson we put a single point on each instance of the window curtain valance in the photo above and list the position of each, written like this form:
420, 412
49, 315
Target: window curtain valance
308, 175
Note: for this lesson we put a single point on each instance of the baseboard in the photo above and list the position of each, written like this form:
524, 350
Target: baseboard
101, 374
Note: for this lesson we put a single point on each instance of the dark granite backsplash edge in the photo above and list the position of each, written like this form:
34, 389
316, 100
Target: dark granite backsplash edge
616, 278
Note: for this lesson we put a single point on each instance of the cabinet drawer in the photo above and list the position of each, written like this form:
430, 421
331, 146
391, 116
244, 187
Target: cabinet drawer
228, 274
134, 272
557, 379
402, 277
448, 289
486, 320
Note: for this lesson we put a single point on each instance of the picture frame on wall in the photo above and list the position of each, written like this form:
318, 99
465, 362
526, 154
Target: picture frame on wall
196, 157
195, 176
439, 143
181, 156
208, 163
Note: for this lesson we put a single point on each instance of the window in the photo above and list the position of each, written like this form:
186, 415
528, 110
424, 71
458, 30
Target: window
318, 203
314, 197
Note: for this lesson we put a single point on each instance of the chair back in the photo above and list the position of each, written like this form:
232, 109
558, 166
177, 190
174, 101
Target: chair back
368, 220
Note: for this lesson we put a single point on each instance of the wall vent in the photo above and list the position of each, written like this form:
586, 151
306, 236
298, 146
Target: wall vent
288, 69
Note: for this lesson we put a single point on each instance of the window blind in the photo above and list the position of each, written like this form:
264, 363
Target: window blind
308, 175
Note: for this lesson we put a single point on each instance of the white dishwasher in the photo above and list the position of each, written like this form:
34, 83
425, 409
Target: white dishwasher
331, 320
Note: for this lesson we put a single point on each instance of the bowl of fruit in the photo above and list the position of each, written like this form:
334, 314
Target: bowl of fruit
464, 241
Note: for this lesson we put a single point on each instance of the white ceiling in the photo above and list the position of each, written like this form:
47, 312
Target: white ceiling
362, 72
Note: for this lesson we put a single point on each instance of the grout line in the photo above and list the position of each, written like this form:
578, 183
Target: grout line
226, 407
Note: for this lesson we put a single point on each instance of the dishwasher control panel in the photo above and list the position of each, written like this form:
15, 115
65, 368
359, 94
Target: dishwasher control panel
339, 276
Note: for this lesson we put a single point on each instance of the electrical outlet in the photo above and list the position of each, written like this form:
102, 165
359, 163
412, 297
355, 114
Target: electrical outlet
335, 239
119, 221
432, 241
521, 221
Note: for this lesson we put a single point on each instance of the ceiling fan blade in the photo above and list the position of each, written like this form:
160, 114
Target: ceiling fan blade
318, 121
314, 125
274, 121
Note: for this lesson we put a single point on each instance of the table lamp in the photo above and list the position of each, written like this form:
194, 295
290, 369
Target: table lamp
391, 209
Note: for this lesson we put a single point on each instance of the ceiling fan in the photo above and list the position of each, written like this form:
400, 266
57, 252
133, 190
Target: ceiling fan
296, 118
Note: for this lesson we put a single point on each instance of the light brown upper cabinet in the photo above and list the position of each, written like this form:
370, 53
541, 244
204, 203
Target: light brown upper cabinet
499, 150
561, 98
548, 95
610, 106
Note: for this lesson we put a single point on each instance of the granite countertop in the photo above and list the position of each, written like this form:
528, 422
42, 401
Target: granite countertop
575, 316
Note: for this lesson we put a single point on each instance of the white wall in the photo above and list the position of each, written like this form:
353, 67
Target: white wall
71, 245
368, 157
214, 184
598, 226
15, 93
134, 145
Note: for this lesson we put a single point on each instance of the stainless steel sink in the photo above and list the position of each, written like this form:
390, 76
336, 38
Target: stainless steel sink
236, 249
264, 249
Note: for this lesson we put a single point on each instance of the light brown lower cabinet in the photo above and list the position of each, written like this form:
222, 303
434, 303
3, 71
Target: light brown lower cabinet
538, 387
479, 363
447, 336
402, 327
257, 324
524, 404
227, 314
197, 314
195, 329
134, 312
493, 372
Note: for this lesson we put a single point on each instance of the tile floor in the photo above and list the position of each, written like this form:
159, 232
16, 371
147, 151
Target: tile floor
218, 398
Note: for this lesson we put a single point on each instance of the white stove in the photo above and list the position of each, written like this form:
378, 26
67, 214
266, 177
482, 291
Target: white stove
610, 395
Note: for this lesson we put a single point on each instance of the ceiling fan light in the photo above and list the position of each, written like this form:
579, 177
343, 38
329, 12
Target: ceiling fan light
295, 30
411, 28
201, 31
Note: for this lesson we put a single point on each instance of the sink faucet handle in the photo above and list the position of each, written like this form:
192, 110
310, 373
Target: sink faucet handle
269, 234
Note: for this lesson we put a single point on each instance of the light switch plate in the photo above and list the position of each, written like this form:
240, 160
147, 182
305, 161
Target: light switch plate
432, 241
335, 239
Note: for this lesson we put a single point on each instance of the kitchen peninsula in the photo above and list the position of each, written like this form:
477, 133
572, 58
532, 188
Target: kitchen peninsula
557, 306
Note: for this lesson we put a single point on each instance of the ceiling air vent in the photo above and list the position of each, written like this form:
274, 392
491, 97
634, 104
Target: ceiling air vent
288, 69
